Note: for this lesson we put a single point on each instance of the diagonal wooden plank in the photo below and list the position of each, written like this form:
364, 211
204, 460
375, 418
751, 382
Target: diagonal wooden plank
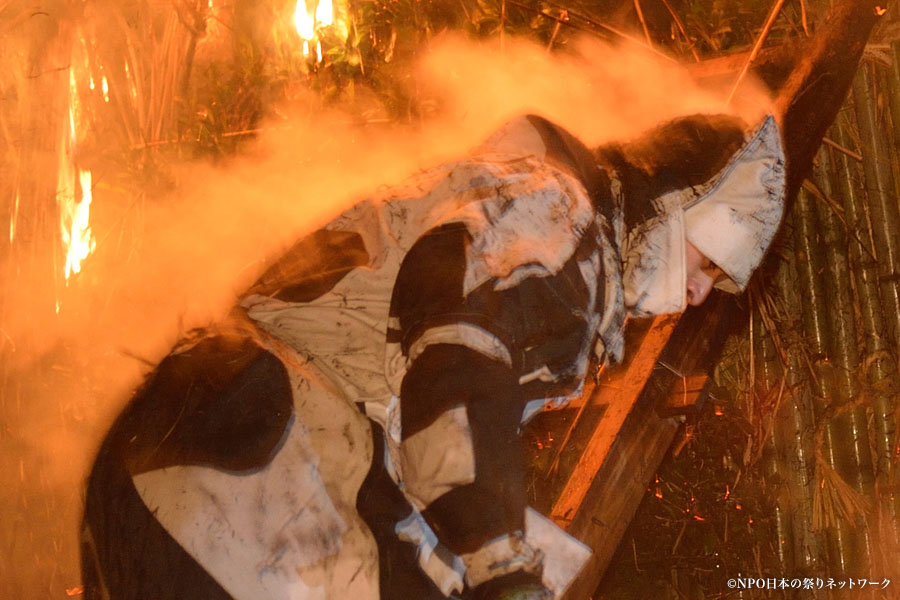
620, 396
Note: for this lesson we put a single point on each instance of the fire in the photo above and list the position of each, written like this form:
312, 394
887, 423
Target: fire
76, 227
304, 22
325, 13
13, 219
309, 23
74, 212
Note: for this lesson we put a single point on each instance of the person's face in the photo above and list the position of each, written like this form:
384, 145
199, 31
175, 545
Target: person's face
702, 275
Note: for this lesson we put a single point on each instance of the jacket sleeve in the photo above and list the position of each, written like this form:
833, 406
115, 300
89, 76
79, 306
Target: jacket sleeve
474, 362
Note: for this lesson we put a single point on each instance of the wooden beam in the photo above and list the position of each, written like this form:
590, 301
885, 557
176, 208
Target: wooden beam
618, 487
811, 97
619, 394
613, 444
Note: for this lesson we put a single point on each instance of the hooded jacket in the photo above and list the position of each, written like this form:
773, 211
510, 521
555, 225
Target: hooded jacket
449, 309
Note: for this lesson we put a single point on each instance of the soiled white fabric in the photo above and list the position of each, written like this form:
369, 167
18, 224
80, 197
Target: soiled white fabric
462, 334
444, 568
531, 231
525, 218
287, 531
654, 275
734, 217
438, 458
558, 555
564, 556
731, 219
500, 556
516, 137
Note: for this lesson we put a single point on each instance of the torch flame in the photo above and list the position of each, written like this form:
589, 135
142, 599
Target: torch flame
304, 22
325, 13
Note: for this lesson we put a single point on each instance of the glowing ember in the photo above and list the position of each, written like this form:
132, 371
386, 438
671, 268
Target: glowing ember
104, 85
319, 51
880, 11
304, 22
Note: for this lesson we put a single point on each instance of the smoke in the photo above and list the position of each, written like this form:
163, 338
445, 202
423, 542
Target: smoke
163, 266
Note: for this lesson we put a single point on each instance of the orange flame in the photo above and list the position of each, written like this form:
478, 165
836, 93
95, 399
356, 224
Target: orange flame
74, 214
309, 21
76, 227
325, 13
304, 22
14, 219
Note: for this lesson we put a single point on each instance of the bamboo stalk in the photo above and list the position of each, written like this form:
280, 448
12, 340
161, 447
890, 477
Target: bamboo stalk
795, 424
757, 46
640, 14
680, 25
881, 199
809, 262
841, 544
849, 449
591, 24
855, 456
775, 472
879, 370
893, 77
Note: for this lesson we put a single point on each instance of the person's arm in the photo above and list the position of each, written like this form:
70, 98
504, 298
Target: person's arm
474, 360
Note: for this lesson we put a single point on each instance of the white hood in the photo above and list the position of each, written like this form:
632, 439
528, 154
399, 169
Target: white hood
731, 219
734, 218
